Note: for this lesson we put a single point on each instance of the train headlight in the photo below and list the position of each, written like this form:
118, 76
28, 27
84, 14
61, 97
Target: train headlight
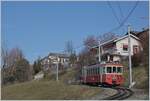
113, 78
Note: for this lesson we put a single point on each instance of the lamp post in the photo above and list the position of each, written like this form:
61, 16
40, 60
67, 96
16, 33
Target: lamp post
57, 66
99, 49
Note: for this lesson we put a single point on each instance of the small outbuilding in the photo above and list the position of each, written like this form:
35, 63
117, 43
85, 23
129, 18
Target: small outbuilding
39, 76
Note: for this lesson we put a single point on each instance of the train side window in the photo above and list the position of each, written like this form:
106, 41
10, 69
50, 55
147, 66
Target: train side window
103, 70
87, 72
93, 71
114, 70
97, 70
100, 70
108, 69
83, 71
119, 69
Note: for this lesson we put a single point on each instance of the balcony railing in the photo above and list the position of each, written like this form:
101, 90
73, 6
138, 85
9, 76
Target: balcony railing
110, 51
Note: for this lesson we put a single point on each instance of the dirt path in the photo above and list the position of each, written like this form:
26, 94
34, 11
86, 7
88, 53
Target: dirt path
139, 94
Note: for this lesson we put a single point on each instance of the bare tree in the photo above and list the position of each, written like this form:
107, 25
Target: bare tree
14, 55
71, 52
69, 47
107, 36
4, 54
90, 41
14, 63
87, 57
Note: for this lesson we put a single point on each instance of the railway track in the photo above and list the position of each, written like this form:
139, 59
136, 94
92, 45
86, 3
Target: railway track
122, 93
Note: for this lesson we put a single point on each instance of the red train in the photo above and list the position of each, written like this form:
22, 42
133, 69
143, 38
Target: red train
106, 73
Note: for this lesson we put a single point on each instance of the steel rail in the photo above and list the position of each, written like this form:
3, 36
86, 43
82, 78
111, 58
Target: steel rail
122, 93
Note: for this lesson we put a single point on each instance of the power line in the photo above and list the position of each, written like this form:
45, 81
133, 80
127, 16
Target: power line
129, 14
113, 11
126, 18
121, 13
120, 25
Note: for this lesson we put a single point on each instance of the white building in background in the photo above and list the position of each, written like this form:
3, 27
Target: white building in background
116, 48
52, 59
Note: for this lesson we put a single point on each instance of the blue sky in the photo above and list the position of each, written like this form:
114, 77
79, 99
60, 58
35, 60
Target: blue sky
42, 27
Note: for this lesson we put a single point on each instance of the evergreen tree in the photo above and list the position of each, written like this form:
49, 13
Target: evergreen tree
37, 67
22, 70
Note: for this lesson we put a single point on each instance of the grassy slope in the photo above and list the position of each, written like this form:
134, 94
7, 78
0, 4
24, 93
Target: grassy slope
48, 89
139, 76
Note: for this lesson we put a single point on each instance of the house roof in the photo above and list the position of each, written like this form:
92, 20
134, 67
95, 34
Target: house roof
56, 54
59, 55
142, 31
136, 33
116, 39
126, 37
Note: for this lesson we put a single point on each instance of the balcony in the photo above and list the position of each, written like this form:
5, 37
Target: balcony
111, 51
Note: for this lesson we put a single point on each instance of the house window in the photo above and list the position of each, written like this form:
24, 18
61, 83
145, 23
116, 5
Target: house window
125, 47
135, 49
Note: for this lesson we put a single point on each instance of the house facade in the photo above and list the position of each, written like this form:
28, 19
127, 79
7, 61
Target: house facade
116, 48
50, 61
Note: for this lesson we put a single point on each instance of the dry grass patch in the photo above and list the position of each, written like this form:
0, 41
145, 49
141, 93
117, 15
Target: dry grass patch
43, 90
139, 76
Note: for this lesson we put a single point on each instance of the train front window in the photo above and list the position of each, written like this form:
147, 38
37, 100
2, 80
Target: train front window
114, 70
108, 69
119, 69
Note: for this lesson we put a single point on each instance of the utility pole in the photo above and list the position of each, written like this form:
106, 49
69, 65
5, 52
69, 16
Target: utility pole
57, 73
130, 62
99, 48
57, 66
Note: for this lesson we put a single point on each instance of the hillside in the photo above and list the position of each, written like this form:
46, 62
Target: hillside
48, 89
139, 76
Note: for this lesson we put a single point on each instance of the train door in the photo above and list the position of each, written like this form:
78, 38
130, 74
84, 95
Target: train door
102, 72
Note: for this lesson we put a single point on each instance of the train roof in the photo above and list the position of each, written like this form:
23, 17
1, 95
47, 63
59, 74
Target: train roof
105, 64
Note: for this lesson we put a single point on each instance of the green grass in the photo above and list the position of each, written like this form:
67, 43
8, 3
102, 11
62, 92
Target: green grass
49, 89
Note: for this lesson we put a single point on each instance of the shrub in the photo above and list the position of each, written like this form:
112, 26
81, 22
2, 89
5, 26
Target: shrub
136, 59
